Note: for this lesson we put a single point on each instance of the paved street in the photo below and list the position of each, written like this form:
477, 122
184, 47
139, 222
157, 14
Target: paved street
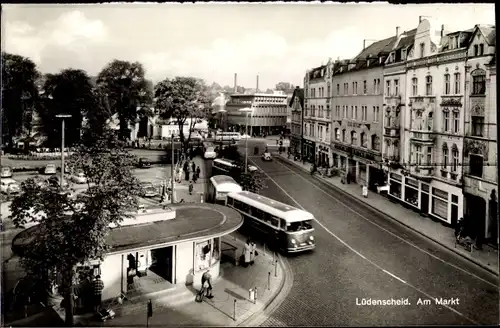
356, 259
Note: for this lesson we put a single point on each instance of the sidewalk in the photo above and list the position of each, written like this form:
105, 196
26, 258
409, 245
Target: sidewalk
486, 258
229, 307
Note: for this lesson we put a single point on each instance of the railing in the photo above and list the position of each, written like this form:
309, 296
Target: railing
424, 136
391, 132
423, 170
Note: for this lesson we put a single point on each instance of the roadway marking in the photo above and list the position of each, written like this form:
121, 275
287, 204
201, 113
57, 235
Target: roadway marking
388, 231
362, 256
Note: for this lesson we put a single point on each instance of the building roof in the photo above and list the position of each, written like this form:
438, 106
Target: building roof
298, 92
192, 222
407, 39
377, 48
489, 33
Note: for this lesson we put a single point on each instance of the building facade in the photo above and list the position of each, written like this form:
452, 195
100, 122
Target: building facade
480, 178
394, 108
297, 105
317, 115
357, 119
268, 116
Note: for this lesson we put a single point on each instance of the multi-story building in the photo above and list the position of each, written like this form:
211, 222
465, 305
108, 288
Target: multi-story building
431, 179
317, 115
395, 108
357, 119
268, 116
297, 105
480, 180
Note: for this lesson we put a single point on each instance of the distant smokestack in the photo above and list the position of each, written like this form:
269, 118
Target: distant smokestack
364, 44
398, 31
443, 30
419, 19
257, 86
235, 82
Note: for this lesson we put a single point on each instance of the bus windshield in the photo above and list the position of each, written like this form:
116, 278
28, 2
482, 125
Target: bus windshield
298, 226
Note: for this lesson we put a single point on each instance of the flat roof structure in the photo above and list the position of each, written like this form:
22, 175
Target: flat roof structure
192, 222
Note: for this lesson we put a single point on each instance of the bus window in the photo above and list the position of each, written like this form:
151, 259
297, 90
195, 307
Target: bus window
258, 213
297, 226
275, 221
229, 201
245, 208
283, 224
266, 217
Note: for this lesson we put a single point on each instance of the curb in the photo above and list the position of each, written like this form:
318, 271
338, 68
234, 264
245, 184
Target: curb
483, 266
259, 315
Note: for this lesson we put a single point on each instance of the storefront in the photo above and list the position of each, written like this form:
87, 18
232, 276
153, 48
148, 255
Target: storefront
309, 150
435, 199
480, 203
295, 145
323, 155
361, 165
140, 256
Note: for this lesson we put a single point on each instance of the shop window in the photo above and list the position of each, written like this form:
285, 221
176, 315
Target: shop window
439, 207
479, 84
454, 199
425, 187
395, 189
203, 252
215, 251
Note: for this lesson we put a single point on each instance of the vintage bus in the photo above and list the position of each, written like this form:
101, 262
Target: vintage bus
228, 167
209, 150
220, 186
286, 227
228, 136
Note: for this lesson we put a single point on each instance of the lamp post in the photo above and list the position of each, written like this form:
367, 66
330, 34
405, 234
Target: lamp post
63, 116
247, 110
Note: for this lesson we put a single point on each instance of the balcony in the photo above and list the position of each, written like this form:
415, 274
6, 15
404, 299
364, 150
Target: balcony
423, 172
423, 137
391, 157
391, 132
451, 101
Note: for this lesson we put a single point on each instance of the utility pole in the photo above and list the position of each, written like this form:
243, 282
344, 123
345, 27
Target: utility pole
62, 116
172, 170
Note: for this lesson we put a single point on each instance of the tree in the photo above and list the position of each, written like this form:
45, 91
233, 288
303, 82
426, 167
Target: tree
129, 93
73, 230
68, 92
19, 95
183, 98
253, 181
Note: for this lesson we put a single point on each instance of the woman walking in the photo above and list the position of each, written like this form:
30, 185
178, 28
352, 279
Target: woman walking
247, 251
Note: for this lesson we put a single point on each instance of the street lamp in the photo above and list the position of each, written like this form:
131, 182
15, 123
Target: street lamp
247, 110
63, 116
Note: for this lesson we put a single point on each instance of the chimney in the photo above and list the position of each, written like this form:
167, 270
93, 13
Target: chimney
257, 86
364, 44
419, 19
398, 31
442, 30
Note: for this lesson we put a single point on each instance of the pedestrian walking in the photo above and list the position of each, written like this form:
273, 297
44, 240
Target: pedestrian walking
193, 166
186, 166
186, 174
365, 191
97, 286
195, 177
246, 256
198, 171
191, 187
253, 253
162, 194
206, 283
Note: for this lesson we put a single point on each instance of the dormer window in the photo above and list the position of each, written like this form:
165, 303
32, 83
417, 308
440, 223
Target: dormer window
481, 49
422, 49
403, 54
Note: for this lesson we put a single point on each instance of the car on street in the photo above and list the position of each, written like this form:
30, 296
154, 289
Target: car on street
144, 163
267, 156
79, 177
252, 168
149, 190
10, 186
245, 136
50, 169
6, 172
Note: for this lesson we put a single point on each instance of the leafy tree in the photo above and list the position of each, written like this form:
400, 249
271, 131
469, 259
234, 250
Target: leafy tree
183, 98
68, 92
252, 181
19, 95
129, 93
73, 230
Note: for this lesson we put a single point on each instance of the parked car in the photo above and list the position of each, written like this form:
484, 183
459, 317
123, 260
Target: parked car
50, 169
55, 181
79, 177
6, 172
252, 168
144, 163
267, 156
149, 190
10, 186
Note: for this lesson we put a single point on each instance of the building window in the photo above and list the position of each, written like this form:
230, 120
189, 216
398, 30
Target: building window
374, 86
363, 140
338, 89
354, 138
376, 112
446, 120
428, 85
476, 50
328, 95
337, 134
440, 203
375, 142
364, 87
352, 112
476, 165
422, 50
418, 155
396, 87
447, 84
457, 83
346, 110
364, 113
429, 155
403, 54
456, 121
414, 83
355, 112
445, 156
477, 126
378, 86
343, 135
388, 88
455, 154
478, 85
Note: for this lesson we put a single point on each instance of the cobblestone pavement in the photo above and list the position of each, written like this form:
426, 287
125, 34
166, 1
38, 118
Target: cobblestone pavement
363, 254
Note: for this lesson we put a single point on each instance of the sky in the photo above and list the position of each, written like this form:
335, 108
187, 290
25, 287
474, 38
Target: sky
277, 41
